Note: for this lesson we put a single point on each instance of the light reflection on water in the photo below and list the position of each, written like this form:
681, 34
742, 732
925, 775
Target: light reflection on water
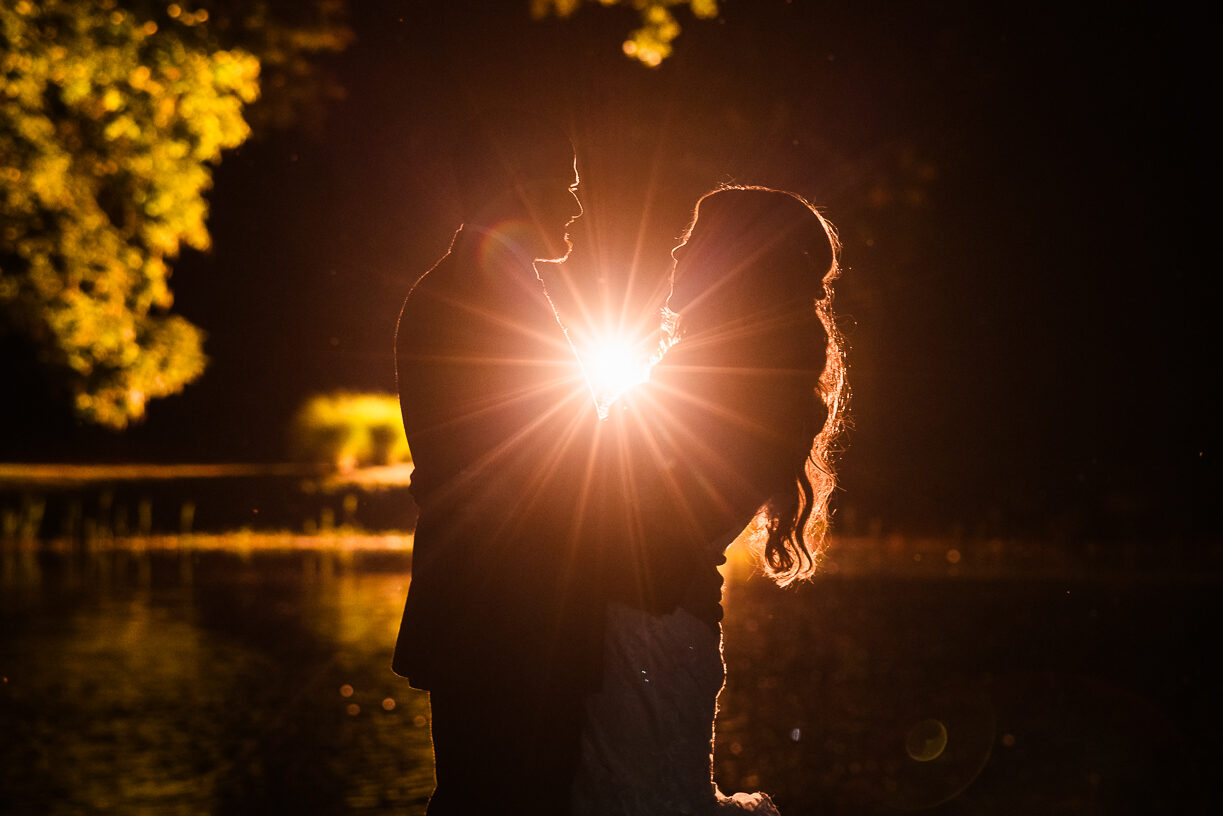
258, 682
134, 684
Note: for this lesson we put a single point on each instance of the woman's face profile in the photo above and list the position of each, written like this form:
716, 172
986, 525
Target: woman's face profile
680, 296
691, 268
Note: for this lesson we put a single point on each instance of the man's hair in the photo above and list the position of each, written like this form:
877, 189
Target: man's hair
499, 149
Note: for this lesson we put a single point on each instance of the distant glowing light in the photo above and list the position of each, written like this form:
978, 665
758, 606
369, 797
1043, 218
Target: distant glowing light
388, 704
345, 690
613, 367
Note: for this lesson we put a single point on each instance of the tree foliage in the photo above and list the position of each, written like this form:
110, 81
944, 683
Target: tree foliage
350, 430
651, 43
111, 119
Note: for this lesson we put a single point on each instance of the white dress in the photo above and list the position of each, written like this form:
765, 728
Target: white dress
647, 747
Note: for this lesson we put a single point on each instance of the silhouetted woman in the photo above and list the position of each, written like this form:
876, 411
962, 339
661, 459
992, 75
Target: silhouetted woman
733, 431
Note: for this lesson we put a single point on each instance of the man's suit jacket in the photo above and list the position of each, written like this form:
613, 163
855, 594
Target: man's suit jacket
501, 427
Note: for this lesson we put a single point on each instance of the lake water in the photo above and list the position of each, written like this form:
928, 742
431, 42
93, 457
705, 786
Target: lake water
216, 682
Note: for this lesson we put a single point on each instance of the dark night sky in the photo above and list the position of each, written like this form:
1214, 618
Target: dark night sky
1018, 190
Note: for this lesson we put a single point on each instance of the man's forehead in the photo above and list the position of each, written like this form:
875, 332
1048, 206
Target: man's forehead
526, 142
562, 174
539, 160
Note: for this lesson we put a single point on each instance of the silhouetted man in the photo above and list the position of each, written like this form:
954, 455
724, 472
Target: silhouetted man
498, 625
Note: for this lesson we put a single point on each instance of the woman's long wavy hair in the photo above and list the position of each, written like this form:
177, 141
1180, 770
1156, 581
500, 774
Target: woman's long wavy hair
790, 532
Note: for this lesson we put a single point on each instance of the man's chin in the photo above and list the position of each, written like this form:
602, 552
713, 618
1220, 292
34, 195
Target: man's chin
557, 254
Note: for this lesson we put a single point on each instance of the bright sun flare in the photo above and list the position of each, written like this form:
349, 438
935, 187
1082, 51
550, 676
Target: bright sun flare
613, 366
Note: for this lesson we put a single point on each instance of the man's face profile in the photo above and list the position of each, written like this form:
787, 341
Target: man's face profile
517, 173
551, 204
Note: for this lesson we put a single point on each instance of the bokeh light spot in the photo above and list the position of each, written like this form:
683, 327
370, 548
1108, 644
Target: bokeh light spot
926, 740
345, 690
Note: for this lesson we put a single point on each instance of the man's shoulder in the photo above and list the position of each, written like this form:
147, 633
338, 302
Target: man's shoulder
428, 301
437, 279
